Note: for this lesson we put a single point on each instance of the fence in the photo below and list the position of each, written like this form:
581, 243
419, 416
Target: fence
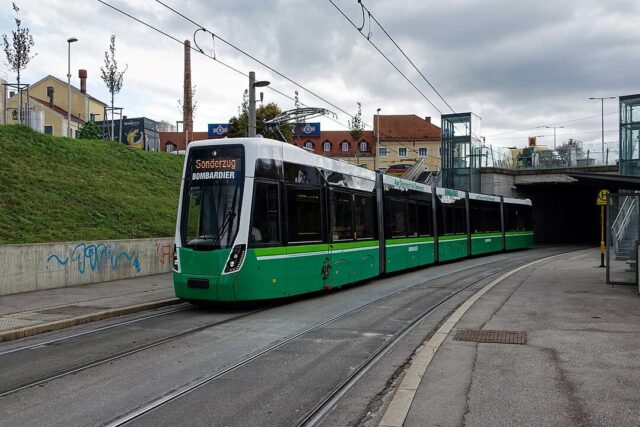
623, 235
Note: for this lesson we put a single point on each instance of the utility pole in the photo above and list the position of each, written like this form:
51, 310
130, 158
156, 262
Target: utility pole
554, 133
375, 152
602, 109
253, 84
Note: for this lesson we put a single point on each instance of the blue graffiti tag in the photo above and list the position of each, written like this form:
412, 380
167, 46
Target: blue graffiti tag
99, 256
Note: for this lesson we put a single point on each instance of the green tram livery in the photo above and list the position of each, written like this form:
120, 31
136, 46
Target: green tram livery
261, 219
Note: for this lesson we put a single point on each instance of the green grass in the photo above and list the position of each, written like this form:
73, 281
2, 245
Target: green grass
57, 189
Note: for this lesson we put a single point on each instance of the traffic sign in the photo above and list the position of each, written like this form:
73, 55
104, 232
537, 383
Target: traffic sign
602, 198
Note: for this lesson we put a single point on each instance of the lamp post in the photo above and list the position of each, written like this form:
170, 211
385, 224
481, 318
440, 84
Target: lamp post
69, 41
602, 109
375, 153
554, 133
253, 84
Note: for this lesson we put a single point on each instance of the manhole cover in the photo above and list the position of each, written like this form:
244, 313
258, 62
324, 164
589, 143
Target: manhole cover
71, 310
497, 337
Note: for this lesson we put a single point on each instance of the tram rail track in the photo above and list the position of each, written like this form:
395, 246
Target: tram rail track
184, 390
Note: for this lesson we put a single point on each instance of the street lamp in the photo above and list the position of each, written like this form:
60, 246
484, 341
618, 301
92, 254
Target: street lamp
554, 133
253, 84
375, 153
69, 41
602, 107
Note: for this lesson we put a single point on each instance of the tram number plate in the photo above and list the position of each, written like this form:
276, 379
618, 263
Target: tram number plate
487, 240
413, 249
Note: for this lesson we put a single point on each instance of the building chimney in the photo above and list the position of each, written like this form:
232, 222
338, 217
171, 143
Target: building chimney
428, 119
50, 95
83, 80
187, 112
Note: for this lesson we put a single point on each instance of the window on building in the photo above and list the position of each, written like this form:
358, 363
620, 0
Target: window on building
92, 117
344, 147
326, 146
48, 130
364, 146
422, 152
402, 152
383, 152
170, 147
308, 145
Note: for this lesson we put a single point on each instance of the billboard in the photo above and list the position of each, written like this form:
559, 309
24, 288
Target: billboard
139, 132
217, 130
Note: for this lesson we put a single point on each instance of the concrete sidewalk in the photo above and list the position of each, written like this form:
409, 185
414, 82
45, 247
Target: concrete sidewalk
31, 313
580, 364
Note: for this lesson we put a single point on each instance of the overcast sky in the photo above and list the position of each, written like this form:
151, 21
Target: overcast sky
517, 64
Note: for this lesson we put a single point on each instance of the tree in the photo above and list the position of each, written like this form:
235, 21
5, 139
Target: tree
90, 130
111, 76
570, 151
18, 52
194, 104
238, 126
356, 129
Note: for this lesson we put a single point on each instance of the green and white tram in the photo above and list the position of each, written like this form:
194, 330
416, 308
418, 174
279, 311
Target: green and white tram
261, 219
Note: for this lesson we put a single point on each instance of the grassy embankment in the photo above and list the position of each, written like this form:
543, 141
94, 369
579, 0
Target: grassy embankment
57, 189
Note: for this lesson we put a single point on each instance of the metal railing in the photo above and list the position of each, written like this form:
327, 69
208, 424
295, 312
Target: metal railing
620, 225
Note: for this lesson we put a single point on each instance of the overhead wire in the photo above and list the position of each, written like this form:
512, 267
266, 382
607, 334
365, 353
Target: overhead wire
238, 49
214, 58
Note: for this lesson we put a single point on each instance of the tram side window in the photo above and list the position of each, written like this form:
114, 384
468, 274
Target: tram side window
304, 214
412, 228
424, 219
518, 218
341, 216
453, 219
395, 218
485, 217
364, 212
265, 226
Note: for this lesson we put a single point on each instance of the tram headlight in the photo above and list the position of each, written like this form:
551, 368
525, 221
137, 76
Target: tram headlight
176, 265
235, 259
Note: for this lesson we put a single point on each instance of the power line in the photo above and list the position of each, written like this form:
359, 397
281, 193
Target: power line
371, 16
240, 72
551, 124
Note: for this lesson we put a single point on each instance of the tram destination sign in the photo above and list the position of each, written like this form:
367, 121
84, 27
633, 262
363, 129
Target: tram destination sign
215, 169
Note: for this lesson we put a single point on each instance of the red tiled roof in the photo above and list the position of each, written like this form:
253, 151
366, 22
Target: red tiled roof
57, 109
336, 137
178, 138
406, 127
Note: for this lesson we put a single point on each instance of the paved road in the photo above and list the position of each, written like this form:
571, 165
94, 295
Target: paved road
344, 328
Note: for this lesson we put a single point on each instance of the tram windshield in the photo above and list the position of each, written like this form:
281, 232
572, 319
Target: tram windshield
212, 196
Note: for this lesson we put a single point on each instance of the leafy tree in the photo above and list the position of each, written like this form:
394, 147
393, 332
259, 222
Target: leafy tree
90, 130
111, 76
239, 125
570, 150
194, 104
18, 51
356, 127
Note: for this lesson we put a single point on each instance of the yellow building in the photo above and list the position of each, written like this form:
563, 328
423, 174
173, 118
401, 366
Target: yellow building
48, 99
405, 139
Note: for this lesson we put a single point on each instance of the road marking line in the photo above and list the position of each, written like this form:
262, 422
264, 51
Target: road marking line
398, 409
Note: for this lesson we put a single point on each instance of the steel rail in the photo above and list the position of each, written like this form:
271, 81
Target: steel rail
181, 391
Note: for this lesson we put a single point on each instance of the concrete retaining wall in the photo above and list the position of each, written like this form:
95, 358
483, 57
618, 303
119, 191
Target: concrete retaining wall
25, 268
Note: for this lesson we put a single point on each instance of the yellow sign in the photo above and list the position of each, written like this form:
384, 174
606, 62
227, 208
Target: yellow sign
602, 198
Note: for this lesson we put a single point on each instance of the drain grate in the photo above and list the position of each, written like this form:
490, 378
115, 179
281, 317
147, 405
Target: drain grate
72, 310
496, 337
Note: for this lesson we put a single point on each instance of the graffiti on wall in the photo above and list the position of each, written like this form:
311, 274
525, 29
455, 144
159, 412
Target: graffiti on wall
164, 252
97, 256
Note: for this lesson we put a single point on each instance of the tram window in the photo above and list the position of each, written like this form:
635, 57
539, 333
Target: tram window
485, 217
412, 229
453, 219
301, 174
341, 216
304, 214
268, 168
364, 212
395, 218
518, 218
265, 225
424, 215
460, 220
